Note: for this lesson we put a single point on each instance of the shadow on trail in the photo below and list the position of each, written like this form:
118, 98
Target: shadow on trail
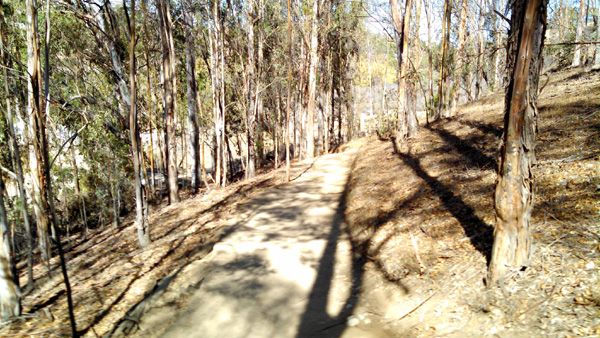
478, 232
315, 321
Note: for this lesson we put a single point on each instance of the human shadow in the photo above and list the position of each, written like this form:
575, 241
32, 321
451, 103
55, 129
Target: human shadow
478, 232
315, 321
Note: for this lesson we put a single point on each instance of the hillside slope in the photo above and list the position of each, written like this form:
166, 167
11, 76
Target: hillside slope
423, 213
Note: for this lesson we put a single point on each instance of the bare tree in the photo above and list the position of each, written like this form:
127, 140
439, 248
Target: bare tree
514, 183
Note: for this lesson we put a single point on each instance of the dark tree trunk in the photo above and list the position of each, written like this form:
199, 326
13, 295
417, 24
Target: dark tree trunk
514, 183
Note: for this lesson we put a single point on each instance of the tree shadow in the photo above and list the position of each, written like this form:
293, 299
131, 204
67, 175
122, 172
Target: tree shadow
474, 155
478, 232
486, 128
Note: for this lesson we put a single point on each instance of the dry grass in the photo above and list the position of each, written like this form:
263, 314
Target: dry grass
436, 191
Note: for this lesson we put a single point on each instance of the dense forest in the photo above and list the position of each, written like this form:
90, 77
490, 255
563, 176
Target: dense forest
112, 110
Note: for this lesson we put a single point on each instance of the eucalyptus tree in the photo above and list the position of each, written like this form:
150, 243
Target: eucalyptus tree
192, 92
141, 204
169, 90
442, 97
10, 304
514, 183
312, 79
14, 144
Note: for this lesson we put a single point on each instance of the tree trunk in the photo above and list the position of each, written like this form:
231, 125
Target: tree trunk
498, 45
430, 61
192, 94
514, 182
288, 106
169, 90
10, 303
141, 206
250, 92
114, 187
78, 194
150, 96
41, 179
402, 29
442, 104
259, 113
217, 59
14, 147
480, 50
597, 55
577, 56
312, 81
461, 72
37, 120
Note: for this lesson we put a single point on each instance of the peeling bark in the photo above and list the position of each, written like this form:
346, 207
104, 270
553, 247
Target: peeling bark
514, 182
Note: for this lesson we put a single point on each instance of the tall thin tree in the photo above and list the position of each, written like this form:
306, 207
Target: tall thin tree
578, 54
312, 80
141, 205
192, 93
169, 90
10, 305
14, 146
444, 64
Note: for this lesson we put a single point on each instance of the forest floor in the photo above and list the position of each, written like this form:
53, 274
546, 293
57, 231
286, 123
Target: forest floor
379, 240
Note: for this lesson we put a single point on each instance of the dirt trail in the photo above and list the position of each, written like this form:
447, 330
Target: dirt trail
284, 270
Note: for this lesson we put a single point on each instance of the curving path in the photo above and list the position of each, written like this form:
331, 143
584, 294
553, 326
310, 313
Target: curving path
284, 270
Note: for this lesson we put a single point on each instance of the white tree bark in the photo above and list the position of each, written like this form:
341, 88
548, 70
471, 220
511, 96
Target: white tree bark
579, 35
